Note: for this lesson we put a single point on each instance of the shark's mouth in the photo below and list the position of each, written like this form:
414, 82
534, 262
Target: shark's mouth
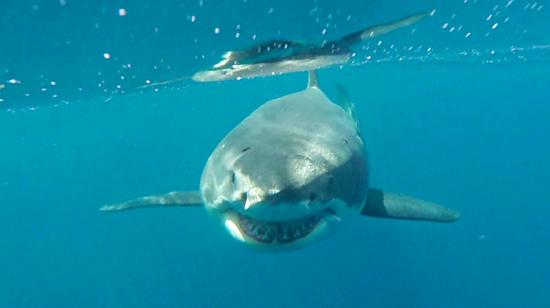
280, 232
253, 231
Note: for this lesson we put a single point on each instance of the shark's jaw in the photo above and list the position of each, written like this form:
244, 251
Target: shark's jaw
279, 234
257, 232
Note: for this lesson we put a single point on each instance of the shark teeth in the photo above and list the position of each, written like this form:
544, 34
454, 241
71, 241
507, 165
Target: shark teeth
277, 232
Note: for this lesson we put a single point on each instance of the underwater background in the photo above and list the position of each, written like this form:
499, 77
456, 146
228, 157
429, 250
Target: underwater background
454, 109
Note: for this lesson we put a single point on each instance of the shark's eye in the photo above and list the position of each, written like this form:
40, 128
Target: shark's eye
245, 149
233, 177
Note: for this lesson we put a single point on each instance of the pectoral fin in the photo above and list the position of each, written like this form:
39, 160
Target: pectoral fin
176, 198
390, 205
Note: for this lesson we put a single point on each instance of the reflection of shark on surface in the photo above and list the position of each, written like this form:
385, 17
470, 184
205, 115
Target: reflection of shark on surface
291, 170
285, 56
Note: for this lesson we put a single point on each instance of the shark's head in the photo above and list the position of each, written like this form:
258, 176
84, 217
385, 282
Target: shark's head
287, 173
270, 207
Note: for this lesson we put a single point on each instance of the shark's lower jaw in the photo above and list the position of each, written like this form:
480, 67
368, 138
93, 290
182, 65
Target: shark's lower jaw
276, 233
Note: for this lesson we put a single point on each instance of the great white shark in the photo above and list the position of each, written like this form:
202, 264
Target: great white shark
292, 169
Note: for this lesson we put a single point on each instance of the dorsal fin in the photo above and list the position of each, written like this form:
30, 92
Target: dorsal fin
312, 82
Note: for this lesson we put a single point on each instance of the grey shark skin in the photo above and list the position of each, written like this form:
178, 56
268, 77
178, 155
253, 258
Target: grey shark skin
290, 171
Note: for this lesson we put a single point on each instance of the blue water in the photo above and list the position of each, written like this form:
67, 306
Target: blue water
454, 118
